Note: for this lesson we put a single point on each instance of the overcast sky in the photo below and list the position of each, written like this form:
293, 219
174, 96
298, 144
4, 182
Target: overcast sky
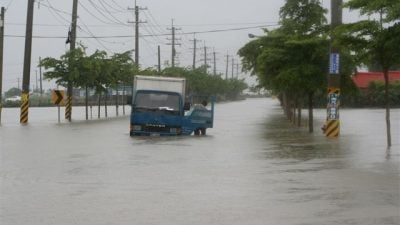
107, 19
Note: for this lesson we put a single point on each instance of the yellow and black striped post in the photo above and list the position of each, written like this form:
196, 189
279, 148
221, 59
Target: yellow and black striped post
27, 64
68, 108
332, 128
332, 125
24, 108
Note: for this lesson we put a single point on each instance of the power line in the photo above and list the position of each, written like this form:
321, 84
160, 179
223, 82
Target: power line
121, 10
90, 33
106, 10
55, 9
118, 5
99, 19
147, 35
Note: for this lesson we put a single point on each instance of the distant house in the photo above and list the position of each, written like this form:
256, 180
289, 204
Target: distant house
363, 79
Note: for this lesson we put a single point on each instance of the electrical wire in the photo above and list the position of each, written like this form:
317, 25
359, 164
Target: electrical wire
109, 13
116, 10
54, 11
94, 16
90, 33
117, 5
148, 35
116, 21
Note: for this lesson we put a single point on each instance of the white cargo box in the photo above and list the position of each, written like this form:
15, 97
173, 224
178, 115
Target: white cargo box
171, 84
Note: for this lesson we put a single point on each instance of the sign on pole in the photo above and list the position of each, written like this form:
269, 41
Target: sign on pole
334, 63
57, 97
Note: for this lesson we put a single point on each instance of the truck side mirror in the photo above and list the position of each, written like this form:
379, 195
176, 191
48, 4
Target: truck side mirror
186, 107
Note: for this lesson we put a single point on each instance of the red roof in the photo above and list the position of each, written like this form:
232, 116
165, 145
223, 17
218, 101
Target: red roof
362, 79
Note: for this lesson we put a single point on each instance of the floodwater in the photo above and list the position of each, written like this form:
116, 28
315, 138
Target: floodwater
253, 168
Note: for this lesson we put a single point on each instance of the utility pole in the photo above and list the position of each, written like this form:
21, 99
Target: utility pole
137, 35
237, 70
40, 75
136, 22
227, 66
215, 63
27, 64
233, 66
205, 57
194, 52
159, 59
173, 50
332, 125
37, 84
68, 106
18, 81
173, 45
1, 56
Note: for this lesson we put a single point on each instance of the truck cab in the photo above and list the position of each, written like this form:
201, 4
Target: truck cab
156, 113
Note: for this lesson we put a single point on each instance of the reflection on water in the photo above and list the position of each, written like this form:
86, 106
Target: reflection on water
291, 142
254, 167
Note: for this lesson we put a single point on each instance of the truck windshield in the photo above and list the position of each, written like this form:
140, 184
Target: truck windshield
160, 101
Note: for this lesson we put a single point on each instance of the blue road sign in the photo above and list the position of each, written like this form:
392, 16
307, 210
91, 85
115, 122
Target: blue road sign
334, 63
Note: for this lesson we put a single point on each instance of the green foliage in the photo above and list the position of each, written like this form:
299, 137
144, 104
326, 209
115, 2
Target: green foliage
202, 83
390, 9
293, 58
302, 17
375, 95
97, 71
12, 92
100, 72
373, 42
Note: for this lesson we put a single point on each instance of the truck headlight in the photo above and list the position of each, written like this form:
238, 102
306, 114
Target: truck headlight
137, 127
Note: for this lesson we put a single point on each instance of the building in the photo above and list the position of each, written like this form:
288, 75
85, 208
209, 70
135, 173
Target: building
363, 79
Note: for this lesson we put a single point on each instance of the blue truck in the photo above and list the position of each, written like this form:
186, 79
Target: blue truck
161, 108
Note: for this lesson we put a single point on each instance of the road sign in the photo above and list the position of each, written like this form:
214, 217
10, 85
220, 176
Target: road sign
57, 97
333, 103
334, 63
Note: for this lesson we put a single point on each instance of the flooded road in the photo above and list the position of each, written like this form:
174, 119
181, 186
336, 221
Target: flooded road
253, 168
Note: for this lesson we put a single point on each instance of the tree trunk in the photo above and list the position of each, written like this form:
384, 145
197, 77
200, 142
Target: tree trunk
99, 105
105, 104
295, 105
123, 100
387, 106
310, 112
86, 102
285, 105
116, 101
299, 115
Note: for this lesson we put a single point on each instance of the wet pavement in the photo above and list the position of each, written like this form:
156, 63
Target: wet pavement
254, 167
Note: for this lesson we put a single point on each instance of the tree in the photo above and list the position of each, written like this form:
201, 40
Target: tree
123, 70
292, 60
375, 41
12, 92
61, 70
97, 71
202, 83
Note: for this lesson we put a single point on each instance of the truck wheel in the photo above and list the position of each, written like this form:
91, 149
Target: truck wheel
197, 132
203, 131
